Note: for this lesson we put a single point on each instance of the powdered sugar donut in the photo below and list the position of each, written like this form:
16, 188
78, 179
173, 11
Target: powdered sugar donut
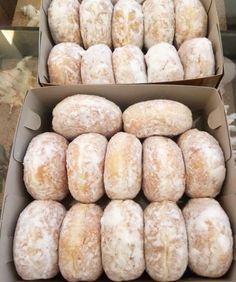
204, 162
96, 65
63, 20
79, 244
129, 65
123, 166
95, 22
157, 117
210, 238
45, 167
163, 63
191, 20
163, 170
166, 248
85, 165
80, 114
127, 24
159, 22
64, 63
197, 57
115, 1
35, 245
122, 240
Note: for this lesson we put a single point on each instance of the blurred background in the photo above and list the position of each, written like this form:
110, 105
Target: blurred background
19, 22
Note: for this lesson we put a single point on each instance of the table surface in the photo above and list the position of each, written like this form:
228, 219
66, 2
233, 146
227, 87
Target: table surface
18, 50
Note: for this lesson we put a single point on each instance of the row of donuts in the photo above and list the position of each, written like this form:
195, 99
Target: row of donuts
69, 63
91, 165
123, 240
97, 22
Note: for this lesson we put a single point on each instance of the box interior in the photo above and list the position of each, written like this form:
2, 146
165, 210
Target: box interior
46, 43
208, 111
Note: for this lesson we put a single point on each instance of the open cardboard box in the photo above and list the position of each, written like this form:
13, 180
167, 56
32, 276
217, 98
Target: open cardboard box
36, 117
46, 43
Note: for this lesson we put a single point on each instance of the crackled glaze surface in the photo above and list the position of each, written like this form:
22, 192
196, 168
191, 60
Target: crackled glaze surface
127, 24
123, 166
166, 250
63, 20
159, 22
191, 20
122, 240
80, 114
85, 167
204, 162
209, 237
157, 117
95, 22
35, 246
45, 167
64, 63
79, 244
163, 63
197, 57
163, 170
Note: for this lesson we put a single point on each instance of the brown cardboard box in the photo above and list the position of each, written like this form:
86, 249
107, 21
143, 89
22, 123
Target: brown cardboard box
36, 115
46, 43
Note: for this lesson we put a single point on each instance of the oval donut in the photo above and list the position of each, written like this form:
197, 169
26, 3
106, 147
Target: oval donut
35, 245
79, 244
45, 167
95, 22
204, 162
80, 114
166, 248
127, 24
123, 167
64, 64
85, 166
159, 22
122, 240
191, 20
63, 20
210, 240
157, 117
163, 170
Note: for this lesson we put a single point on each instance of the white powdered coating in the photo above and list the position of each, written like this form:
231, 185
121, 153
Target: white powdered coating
45, 167
197, 57
191, 20
35, 245
165, 240
80, 114
204, 162
159, 22
129, 65
79, 244
63, 20
157, 117
122, 240
96, 65
95, 22
64, 63
115, 1
123, 167
209, 237
163, 63
163, 170
85, 165
127, 24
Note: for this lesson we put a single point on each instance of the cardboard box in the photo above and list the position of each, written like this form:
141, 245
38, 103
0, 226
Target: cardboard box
46, 43
36, 116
